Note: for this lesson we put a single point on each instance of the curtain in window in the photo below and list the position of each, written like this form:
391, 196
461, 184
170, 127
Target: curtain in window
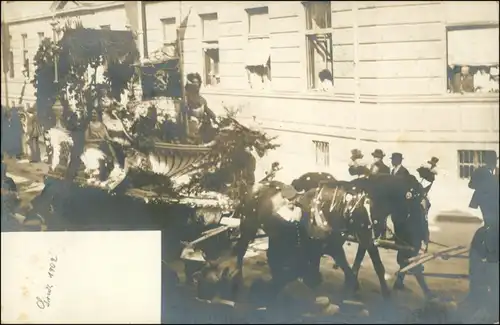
473, 47
258, 52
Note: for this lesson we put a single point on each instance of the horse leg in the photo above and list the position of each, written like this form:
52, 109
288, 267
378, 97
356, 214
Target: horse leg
312, 260
248, 231
351, 283
374, 254
360, 255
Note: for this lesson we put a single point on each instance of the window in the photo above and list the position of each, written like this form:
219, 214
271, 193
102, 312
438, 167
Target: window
322, 150
169, 36
258, 52
41, 36
473, 59
210, 46
469, 160
106, 27
319, 45
169, 31
26, 60
12, 73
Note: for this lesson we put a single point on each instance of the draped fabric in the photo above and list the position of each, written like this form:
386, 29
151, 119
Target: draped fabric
258, 52
83, 43
473, 47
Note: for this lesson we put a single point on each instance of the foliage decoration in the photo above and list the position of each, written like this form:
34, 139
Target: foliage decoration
79, 49
229, 167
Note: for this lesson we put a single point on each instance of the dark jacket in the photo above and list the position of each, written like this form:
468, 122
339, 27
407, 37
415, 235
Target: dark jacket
381, 167
462, 83
485, 186
402, 171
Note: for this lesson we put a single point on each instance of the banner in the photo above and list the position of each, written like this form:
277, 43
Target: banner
161, 80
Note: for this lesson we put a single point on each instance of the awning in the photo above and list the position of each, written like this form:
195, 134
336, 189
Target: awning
258, 52
81, 43
478, 46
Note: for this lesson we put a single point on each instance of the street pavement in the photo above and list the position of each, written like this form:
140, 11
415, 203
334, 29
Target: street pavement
441, 274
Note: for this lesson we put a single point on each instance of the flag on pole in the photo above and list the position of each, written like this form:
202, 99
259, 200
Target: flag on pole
5, 47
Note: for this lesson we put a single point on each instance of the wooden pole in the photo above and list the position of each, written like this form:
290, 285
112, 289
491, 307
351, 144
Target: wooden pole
180, 48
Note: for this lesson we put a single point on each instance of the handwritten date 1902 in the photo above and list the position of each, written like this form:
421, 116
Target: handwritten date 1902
44, 302
52, 266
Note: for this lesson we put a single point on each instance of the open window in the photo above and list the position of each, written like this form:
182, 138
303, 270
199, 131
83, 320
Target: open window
210, 46
258, 51
169, 36
473, 57
319, 45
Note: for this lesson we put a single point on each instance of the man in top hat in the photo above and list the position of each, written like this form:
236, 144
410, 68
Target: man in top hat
484, 182
358, 167
378, 166
397, 168
427, 173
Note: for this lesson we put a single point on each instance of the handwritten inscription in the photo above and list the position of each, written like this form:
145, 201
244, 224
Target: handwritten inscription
44, 302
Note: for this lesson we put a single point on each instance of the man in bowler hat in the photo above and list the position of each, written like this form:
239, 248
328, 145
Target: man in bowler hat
397, 167
378, 166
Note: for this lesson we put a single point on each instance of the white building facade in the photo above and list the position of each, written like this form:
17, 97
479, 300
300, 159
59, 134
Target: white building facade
390, 63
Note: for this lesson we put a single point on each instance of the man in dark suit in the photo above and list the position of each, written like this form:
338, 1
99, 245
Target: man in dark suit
397, 167
484, 182
463, 81
378, 166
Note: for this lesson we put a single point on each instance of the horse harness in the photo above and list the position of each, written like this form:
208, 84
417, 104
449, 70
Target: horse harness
351, 200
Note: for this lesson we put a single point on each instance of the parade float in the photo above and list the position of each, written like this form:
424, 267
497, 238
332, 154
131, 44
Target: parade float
161, 167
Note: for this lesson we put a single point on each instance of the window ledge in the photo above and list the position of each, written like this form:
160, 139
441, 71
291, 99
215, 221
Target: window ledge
309, 95
438, 98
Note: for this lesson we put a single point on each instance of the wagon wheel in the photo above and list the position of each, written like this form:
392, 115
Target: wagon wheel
483, 271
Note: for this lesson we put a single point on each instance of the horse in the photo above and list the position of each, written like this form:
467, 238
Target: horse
331, 217
400, 197
337, 213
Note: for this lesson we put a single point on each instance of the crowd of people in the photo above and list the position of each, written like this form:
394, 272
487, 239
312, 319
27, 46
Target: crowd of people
23, 134
467, 79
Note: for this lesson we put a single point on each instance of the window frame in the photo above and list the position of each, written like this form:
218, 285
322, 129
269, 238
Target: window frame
41, 37
459, 26
321, 148
308, 33
256, 10
26, 64
209, 44
165, 21
477, 161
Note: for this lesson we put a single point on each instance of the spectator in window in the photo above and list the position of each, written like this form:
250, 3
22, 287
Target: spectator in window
494, 79
482, 80
326, 79
463, 82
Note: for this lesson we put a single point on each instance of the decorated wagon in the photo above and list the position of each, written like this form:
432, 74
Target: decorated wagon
87, 84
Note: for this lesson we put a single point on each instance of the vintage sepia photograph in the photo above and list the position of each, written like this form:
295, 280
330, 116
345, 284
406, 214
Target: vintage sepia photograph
304, 161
